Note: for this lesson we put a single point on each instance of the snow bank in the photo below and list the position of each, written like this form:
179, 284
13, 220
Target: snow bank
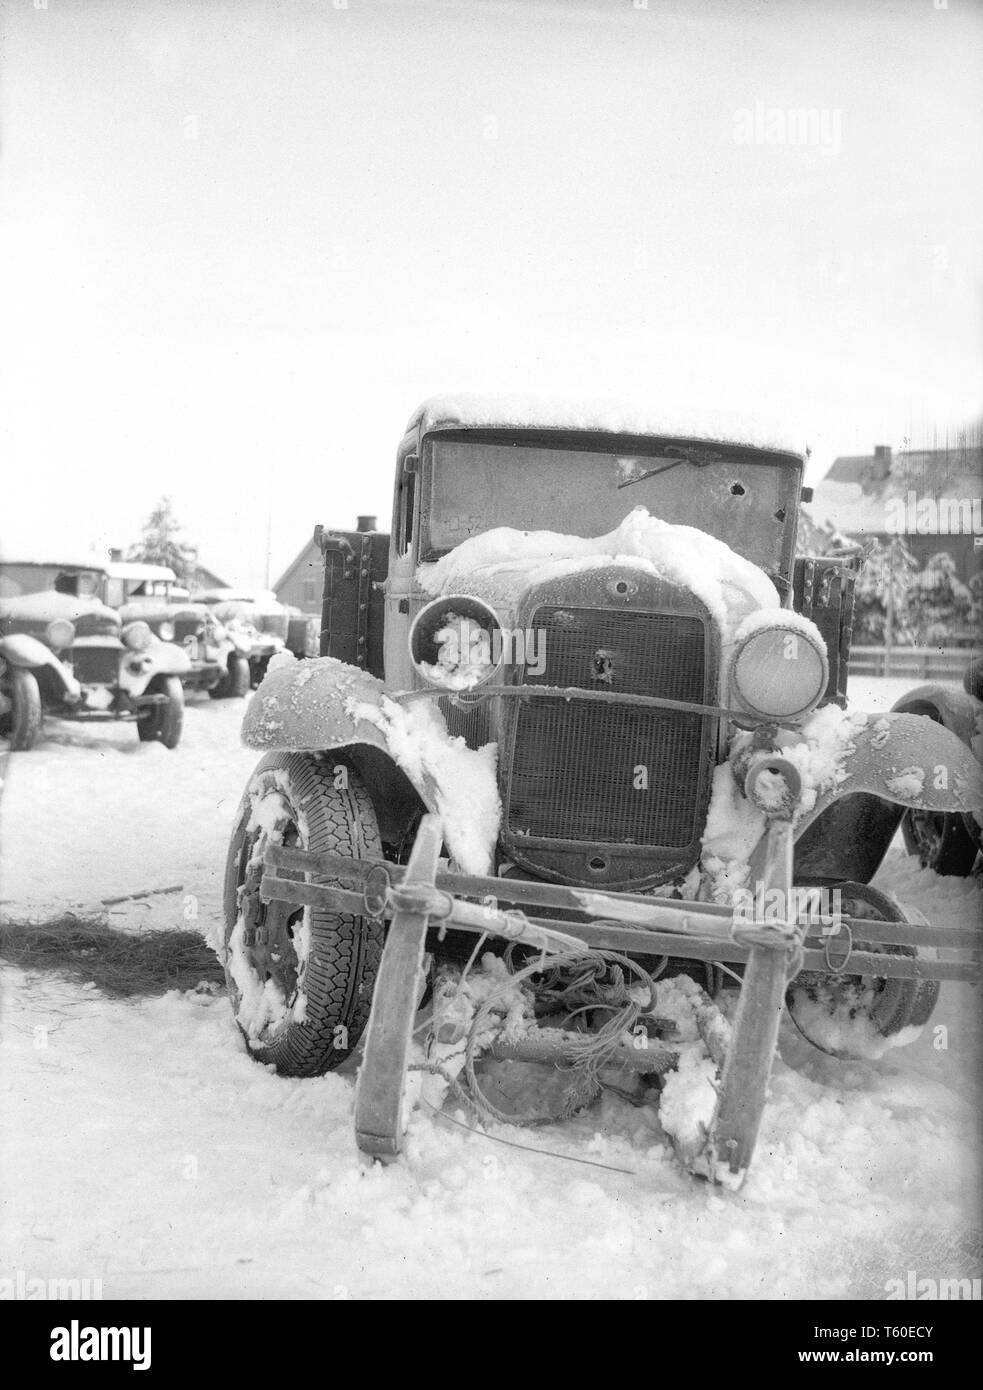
461, 780
837, 1022
499, 565
474, 410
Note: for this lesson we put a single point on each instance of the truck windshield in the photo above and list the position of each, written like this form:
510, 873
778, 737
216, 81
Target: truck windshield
743, 497
17, 579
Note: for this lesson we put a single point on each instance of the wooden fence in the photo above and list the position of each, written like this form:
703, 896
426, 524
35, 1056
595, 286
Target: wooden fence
916, 663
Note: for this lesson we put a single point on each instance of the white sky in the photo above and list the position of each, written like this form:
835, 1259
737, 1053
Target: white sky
242, 241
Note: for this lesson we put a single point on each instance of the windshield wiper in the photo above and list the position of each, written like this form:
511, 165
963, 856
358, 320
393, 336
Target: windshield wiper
699, 458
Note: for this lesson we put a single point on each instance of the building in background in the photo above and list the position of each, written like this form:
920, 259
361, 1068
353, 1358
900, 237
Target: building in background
301, 584
931, 498
204, 578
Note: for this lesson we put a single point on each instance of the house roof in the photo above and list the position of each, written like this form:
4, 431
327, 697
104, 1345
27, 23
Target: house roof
868, 493
136, 569
308, 550
208, 579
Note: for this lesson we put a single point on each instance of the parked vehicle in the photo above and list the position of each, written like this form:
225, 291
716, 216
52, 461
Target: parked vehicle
948, 842
218, 659
583, 709
63, 650
262, 624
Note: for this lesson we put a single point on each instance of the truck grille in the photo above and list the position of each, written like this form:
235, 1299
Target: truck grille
575, 765
188, 625
96, 625
96, 665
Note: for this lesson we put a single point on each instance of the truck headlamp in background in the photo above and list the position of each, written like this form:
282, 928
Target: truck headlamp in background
59, 634
165, 630
778, 672
137, 636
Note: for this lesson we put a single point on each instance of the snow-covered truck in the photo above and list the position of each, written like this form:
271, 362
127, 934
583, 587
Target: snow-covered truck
262, 625
949, 842
65, 651
218, 659
575, 758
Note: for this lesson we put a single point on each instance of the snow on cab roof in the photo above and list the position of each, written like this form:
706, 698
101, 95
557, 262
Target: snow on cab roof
133, 569
73, 562
477, 410
262, 598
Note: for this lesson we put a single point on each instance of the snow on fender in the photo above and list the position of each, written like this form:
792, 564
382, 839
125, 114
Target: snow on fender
905, 758
304, 707
311, 706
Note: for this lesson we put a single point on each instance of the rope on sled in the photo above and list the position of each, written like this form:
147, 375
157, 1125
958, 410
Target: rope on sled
596, 1050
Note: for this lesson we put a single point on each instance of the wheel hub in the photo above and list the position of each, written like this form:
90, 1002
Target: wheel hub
268, 928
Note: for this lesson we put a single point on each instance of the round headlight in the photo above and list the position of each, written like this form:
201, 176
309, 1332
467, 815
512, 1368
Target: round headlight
59, 634
779, 672
165, 630
137, 636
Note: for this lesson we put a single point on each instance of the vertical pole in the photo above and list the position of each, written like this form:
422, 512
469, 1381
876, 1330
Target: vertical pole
382, 1075
747, 1070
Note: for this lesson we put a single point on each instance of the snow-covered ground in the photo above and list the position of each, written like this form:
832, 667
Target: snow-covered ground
141, 1145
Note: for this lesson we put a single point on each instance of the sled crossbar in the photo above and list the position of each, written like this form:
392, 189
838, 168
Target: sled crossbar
630, 923
425, 896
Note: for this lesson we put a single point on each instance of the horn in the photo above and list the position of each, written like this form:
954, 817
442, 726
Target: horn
449, 636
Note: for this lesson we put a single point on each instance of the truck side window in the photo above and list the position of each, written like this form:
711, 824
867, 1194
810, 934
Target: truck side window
407, 499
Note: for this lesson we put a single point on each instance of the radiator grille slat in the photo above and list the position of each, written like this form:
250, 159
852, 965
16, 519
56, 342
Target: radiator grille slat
96, 665
186, 626
574, 767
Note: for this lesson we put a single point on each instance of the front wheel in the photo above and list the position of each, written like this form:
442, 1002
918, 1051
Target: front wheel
162, 722
22, 721
940, 841
860, 1017
300, 978
235, 681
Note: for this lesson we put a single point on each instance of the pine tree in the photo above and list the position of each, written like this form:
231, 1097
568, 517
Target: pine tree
938, 601
883, 584
162, 544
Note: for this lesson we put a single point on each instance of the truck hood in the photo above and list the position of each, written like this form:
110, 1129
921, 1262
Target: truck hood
154, 610
50, 605
499, 566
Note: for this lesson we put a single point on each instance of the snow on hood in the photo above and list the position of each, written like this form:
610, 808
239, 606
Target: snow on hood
501, 564
49, 605
473, 410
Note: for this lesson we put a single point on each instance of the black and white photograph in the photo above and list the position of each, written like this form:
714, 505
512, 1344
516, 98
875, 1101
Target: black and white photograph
491, 670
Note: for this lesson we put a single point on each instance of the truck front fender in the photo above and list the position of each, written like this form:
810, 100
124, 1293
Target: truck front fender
167, 659
321, 704
953, 708
20, 649
911, 761
304, 707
